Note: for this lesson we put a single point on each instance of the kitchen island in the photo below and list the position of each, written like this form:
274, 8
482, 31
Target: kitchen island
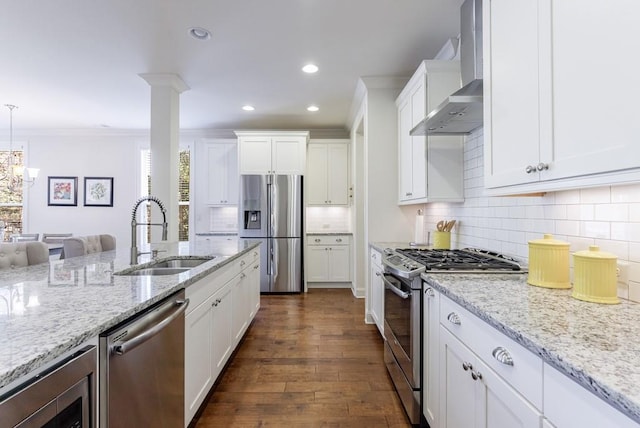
49, 309
596, 345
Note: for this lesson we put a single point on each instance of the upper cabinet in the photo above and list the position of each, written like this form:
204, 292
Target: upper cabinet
556, 115
272, 152
327, 176
222, 174
430, 168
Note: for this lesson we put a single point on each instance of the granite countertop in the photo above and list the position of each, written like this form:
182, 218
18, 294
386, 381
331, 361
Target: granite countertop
594, 344
49, 309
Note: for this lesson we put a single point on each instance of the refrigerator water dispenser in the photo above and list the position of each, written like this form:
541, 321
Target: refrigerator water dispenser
252, 219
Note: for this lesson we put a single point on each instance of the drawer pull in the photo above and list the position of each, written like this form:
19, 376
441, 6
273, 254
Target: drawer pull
378, 274
256, 267
454, 318
242, 263
429, 292
339, 240
317, 240
503, 356
476, 375
467, 366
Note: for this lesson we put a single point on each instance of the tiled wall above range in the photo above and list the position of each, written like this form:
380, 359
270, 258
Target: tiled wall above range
605, 216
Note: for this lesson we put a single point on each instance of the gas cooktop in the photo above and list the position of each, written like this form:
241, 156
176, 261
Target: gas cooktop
409, 262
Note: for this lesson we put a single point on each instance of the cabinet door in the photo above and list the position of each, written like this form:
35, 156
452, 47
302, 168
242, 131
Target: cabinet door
317, 263
240, 299
418, 144
317, 177
405, 150
198, 374
500, 405
458, 391
254, 289
377, 296
340, 263
593, 101
430, 363
255, 155
338, 174
288, 155
222, 336
511, 91
222, 174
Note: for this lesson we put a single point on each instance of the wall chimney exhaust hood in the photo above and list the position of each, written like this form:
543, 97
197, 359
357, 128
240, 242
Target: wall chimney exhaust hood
461, 112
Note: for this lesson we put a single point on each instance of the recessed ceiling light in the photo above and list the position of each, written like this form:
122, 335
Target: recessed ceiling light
248, 108
310, 68
199, 33
313, 108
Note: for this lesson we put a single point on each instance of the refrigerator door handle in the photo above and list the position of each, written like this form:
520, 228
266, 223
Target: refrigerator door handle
269, 257
274, 261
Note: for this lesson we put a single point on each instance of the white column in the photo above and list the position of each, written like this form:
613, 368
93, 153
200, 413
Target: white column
165, 146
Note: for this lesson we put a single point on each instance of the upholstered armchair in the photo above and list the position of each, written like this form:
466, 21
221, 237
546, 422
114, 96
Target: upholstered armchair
83, 245
18, 254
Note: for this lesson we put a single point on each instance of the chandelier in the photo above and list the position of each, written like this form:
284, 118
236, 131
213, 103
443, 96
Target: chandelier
16, 173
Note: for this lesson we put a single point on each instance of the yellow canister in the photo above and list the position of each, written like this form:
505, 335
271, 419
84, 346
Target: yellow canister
595, 276
549, 263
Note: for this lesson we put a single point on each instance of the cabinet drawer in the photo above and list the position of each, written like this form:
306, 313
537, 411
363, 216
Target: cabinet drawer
328, 240
376, 259
514, 363
248, 259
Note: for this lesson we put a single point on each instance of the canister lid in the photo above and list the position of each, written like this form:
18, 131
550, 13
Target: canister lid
595, 253
548, 240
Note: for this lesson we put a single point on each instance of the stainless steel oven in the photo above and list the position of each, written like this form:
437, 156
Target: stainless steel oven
402, 331
60, 396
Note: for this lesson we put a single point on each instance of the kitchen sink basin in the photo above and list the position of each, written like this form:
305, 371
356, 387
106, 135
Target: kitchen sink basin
165, 267
154, 271
180, 263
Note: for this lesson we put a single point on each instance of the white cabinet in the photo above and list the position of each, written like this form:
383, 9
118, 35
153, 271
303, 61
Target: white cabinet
556, 116
430, 358
272, 152
327, 176
568, 405
486, 379
221, 174
222, 305
377, 288
473, 395
430, 168
328, 258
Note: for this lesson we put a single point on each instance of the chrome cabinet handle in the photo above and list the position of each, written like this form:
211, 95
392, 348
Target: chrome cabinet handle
454, 318
529, 169
243, 276
317, 240
503, 356
339, 240
467, 366
542, 166
242, 263
429, 292
378, 274
476, 375
374, 256
256, 267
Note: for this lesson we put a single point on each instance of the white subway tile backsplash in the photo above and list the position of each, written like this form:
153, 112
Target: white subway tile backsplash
606, 216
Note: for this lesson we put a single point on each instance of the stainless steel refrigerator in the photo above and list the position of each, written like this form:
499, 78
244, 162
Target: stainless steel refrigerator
270, 210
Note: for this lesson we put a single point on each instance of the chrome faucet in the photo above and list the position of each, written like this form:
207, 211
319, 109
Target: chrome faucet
134, 224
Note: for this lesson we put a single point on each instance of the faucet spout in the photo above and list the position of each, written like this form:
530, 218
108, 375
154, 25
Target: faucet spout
135, 224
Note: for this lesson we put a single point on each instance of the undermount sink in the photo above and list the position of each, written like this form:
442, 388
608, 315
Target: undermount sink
180, 263
154, 271
172, 266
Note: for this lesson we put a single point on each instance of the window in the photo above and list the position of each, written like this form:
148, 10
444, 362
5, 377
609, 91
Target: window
10, 201
183, 189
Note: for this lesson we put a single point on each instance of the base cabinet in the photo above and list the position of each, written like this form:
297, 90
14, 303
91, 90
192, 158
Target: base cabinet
377, 289
430, 358
222, 307
328, 258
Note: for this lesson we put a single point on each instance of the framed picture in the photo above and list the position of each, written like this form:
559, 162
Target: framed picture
98, 191
63, 191
61, 276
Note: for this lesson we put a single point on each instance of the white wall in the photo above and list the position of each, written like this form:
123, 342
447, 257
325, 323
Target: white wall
605, 216
84, 156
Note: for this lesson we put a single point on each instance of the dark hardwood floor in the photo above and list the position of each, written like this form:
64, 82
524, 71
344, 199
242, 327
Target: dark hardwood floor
307, 361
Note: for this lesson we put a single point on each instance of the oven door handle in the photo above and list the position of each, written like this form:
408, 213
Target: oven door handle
393, 288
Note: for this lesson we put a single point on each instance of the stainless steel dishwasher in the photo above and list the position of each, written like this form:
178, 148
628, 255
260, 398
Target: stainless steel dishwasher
142, 368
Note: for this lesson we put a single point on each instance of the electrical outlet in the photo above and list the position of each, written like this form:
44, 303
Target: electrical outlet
622, 272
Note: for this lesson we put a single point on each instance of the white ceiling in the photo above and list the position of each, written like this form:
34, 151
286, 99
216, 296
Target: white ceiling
76, 63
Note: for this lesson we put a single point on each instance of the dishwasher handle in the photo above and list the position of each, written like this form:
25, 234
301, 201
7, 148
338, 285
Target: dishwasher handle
124, 347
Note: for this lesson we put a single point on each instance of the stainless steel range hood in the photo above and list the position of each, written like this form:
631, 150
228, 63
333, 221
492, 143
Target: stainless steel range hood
461, 112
